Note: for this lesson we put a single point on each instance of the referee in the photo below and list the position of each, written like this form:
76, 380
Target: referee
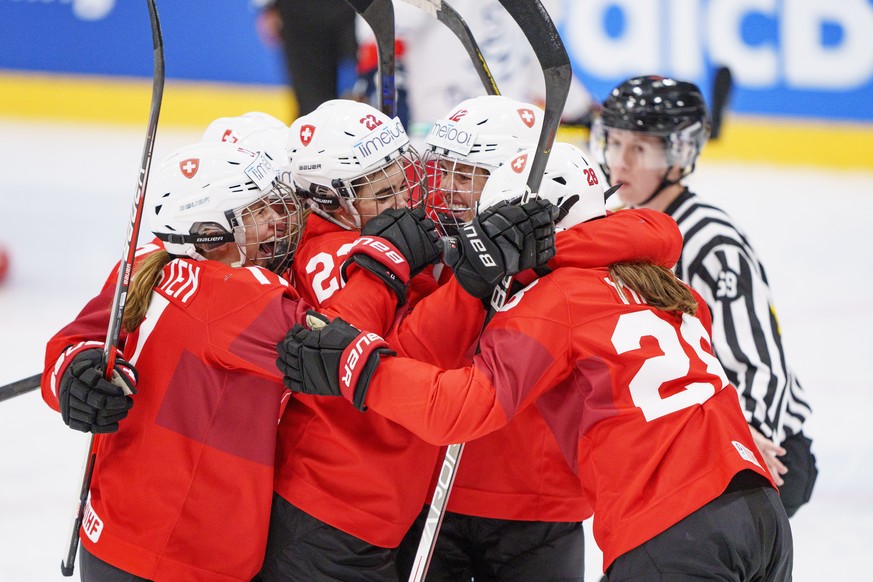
647, 137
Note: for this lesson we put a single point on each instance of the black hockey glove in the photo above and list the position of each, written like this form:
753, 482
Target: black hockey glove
503, 240
411, 231
331, 359
802, 473
525, 231
88, 401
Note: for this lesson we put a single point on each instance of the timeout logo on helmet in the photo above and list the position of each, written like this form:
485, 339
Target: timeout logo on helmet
343, 146
340, 141
466, 145
485, 130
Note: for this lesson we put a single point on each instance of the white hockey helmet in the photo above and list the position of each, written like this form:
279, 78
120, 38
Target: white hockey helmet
344, 146
234, 129
671, 110
465, 146
208, 194
569, 182
256, 131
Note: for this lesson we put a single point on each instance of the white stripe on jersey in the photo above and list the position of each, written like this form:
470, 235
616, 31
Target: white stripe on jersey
157, 304
718, 262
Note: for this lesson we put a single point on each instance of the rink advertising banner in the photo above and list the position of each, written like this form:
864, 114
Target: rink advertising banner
92, 60
795, 63
211, 40
799, 58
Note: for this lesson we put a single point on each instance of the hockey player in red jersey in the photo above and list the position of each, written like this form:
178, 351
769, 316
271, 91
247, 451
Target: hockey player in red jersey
618, 361
182, 486
523, 519
340, 510
647, 136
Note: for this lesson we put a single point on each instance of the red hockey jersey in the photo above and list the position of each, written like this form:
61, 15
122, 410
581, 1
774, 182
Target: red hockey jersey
362, 474
183, 490
519, 472
632, 395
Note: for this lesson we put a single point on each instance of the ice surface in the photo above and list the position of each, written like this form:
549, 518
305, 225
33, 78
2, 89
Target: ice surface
67, 191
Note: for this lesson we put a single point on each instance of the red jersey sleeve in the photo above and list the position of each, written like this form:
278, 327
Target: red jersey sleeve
87, 331
365, 300
638, 234
443, 329
521, 356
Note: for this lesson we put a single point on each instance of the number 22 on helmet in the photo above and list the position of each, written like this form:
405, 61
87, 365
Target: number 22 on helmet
351, 162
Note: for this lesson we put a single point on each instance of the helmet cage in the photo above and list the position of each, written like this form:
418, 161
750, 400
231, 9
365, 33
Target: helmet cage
277, 212
454, 186
270, 228
401, 176
681, 146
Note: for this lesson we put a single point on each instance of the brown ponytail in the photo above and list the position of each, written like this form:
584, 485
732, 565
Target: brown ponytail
139, 294
657, 285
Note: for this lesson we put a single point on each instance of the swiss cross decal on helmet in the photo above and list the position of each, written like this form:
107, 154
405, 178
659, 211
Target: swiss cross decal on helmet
569, 182
237, 128
476, 137
306, 133
189, 167
351, 160
519, 163
527, 116
209, 194
485, 131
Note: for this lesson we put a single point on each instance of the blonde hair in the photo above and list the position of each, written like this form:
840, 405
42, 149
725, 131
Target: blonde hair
139, 294
657, 285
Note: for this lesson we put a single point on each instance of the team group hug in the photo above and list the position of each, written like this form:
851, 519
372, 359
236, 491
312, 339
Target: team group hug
324, 309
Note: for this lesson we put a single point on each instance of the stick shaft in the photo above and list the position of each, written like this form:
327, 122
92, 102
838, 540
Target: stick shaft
125, 271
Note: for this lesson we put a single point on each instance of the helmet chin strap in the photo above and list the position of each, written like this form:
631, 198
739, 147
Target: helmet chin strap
665, 183
355, 215
352, 219
192, 253
343, 224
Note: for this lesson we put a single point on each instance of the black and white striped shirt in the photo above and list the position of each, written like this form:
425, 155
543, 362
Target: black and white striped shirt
720, 264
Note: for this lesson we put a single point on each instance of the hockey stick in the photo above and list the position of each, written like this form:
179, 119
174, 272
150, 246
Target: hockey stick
379, 15
125, 271
552, 55
540, 31
454, 22
20, 387
721, 92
